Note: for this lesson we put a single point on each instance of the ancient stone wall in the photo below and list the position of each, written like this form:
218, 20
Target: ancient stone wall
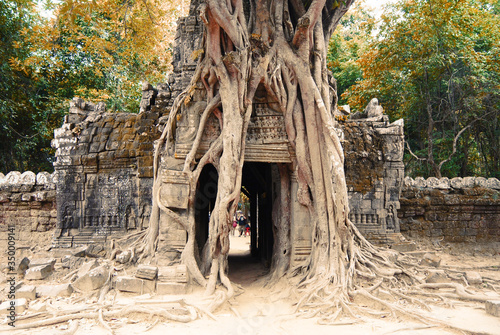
456, 210
374, 168
104, 161
103, 172
27, 203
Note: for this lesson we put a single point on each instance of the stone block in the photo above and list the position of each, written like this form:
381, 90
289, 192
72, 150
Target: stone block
43, 261
430, 260
18, 304
146, 272
437, 276
404, 246
39, 272
71, 262
123, 257
493, 307
23, 265
86, 267
171, 288
176, 273
134, 285
26, 292
473, 277
93, 280
62, 290
38, 307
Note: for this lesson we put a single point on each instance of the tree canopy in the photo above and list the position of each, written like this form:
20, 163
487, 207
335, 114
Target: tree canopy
98, 50
436, 64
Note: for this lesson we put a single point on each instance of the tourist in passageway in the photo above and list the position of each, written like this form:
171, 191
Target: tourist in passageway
242, 222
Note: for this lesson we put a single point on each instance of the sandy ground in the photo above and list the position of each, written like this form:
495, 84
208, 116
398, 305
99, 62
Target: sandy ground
259, 310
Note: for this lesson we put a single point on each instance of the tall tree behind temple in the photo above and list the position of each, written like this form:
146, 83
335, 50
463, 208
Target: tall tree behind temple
347, 43
436, 63
98, 50
19, 138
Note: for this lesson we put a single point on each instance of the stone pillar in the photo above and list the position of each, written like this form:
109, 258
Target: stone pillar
300, 227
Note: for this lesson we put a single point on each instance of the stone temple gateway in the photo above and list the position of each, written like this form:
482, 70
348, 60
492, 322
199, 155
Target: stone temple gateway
104, 167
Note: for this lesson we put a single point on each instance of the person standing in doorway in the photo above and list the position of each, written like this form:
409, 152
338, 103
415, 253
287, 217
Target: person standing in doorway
242, 222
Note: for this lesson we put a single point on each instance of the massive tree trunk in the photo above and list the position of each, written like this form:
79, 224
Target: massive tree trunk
281, 45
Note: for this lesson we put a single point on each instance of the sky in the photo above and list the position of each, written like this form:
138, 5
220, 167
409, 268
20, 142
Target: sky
377, 5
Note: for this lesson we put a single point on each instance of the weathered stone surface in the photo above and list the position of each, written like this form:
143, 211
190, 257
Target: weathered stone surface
26, 206
80, 252
20, 306
146, 272
176, 273
72, 262
23, 266
163, 288
61, 290
95, 250
473, 277
404, 246
123, 257
27, 292
493, 307
43, 261
92, 280
437, 276
373, 109
39, 272
86, 267
464, 212
430, 260
38, 307
134, 285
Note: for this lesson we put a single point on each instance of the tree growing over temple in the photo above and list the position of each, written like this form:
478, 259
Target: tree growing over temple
281, 46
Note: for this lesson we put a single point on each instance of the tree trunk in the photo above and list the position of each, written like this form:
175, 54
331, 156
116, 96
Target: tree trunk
281, 45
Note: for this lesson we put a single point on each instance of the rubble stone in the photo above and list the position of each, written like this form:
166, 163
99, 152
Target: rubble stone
23, 266
176, 273
134, 285
430, 260
39, 272
27, 292
123, 257
92, 280
437, 276
473, 277
86, 267
146, 272
72, 262
493, 307
37, 307
61, 290
19, 305
43, 261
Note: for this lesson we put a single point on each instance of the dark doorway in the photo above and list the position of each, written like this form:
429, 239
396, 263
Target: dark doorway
206, 194
259, 182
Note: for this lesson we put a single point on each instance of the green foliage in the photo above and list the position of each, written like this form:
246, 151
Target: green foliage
436, 63
98, 50
346, 44
23, 135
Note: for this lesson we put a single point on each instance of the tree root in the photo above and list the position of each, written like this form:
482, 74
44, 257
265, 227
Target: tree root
103, 323
186, 314
461, 293
73, 327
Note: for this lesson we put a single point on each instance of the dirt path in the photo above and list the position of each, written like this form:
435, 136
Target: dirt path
257, 309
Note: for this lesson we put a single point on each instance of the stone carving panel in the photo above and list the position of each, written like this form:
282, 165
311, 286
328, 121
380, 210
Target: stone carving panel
174, 192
